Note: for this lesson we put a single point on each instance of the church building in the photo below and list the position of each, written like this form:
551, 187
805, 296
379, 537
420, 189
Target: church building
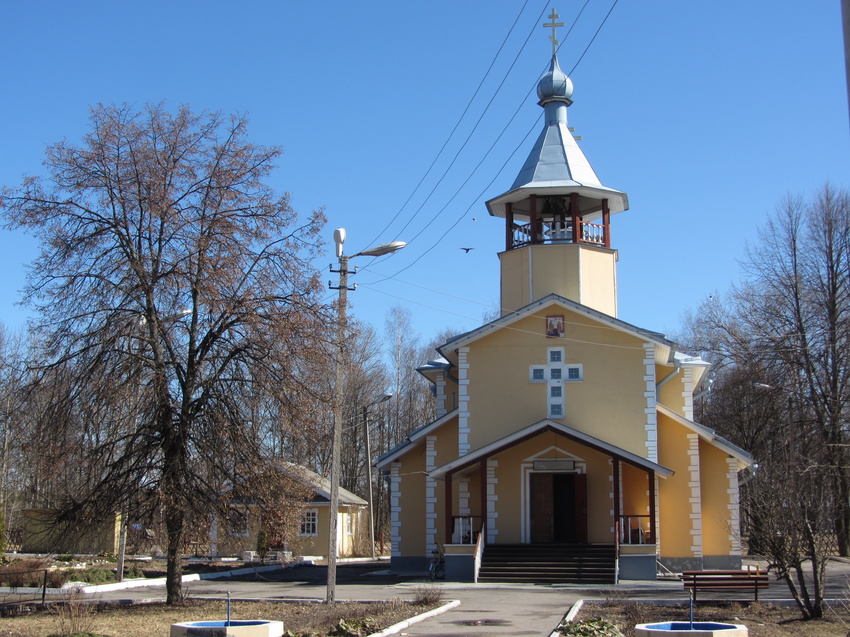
565, 447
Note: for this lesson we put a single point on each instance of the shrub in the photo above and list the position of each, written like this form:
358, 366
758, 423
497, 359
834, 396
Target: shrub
262, 544
29, 573
596, 627
427, 595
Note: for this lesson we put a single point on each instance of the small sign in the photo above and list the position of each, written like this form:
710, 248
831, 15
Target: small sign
554, 465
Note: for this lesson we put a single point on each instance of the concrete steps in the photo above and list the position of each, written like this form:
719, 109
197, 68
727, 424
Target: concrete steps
548, 563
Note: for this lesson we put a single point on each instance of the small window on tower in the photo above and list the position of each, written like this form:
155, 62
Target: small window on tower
556, 410
555, 356
556, 391
555, 374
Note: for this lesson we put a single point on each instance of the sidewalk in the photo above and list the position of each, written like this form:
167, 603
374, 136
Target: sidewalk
485, 609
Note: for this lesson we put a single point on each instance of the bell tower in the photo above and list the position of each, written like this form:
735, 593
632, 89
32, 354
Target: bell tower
558, 215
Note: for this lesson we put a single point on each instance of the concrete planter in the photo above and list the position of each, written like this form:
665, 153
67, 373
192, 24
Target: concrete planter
236, 628
686, 629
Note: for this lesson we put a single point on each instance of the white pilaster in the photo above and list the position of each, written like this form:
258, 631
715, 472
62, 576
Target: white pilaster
492, 500
442, 409
695, 499
734, 506
430, 495
463, 430
651, 398
395, 509
688, 392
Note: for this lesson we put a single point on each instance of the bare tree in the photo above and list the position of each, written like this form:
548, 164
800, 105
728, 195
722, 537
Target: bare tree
784, 333
169, 272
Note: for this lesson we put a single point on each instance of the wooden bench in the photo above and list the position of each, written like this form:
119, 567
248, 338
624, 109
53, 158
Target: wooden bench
752, 580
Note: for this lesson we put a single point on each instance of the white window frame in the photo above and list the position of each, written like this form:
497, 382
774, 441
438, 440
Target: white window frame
309, 518
541, 369
566, 377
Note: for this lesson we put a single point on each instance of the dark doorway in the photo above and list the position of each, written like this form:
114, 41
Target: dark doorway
558, 508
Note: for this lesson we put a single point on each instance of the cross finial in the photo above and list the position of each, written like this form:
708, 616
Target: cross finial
554, 37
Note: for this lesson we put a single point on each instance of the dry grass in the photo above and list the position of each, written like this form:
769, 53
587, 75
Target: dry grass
761, 619
151, 620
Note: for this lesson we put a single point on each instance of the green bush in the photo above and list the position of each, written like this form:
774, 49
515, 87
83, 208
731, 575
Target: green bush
262, 543
91, 576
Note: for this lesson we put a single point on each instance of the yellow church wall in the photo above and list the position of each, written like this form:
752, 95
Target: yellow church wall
674, 492
412, 514
582, 273
599, 279
515, 463
451, 394
612, 362
634, 484
670, 393
716, 528
446, 443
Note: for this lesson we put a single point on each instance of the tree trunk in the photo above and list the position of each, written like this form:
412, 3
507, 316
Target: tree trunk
174, 524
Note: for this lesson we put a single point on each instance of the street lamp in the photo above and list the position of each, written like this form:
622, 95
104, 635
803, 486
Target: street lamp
382, 399
336, 449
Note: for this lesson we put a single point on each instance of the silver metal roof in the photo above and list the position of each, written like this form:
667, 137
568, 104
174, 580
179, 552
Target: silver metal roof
556, 165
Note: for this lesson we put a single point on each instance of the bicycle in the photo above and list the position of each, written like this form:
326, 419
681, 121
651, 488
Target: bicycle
437, 568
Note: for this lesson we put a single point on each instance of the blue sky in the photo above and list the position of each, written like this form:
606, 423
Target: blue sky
706, 114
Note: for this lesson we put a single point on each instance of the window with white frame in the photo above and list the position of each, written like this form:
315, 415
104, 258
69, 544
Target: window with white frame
237, 521
556, 410
574, 374
309, 522
537, 374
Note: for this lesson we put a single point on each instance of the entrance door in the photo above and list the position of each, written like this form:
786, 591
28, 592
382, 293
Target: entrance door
558, 508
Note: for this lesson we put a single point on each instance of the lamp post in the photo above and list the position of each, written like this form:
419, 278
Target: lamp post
339, 394
382, 399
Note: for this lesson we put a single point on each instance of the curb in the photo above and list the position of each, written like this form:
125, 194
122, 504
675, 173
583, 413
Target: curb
160, 581
570, 616
396, 628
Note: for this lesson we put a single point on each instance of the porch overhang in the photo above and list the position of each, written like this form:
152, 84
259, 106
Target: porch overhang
473, 458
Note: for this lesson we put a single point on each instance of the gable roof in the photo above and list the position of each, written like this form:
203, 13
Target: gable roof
664, 348
709, 435
497, 446
320, 485
413, 437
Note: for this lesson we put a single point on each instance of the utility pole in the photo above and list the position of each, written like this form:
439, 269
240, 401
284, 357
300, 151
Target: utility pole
339, 391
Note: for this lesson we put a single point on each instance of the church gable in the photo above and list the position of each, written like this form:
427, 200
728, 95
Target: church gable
560, 364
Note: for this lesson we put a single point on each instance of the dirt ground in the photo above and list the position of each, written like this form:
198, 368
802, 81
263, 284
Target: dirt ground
154, 620
761, 619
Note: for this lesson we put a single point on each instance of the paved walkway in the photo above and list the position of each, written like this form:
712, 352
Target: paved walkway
491, 609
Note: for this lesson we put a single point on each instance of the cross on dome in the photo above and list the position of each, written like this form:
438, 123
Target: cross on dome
554, 37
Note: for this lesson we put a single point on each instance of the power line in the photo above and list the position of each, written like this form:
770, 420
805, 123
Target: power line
457, 124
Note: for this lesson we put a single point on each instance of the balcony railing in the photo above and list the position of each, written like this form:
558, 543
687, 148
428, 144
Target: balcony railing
553, 232
466, 528
635, 529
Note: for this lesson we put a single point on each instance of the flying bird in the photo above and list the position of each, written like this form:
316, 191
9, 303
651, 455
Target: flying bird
467, 249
